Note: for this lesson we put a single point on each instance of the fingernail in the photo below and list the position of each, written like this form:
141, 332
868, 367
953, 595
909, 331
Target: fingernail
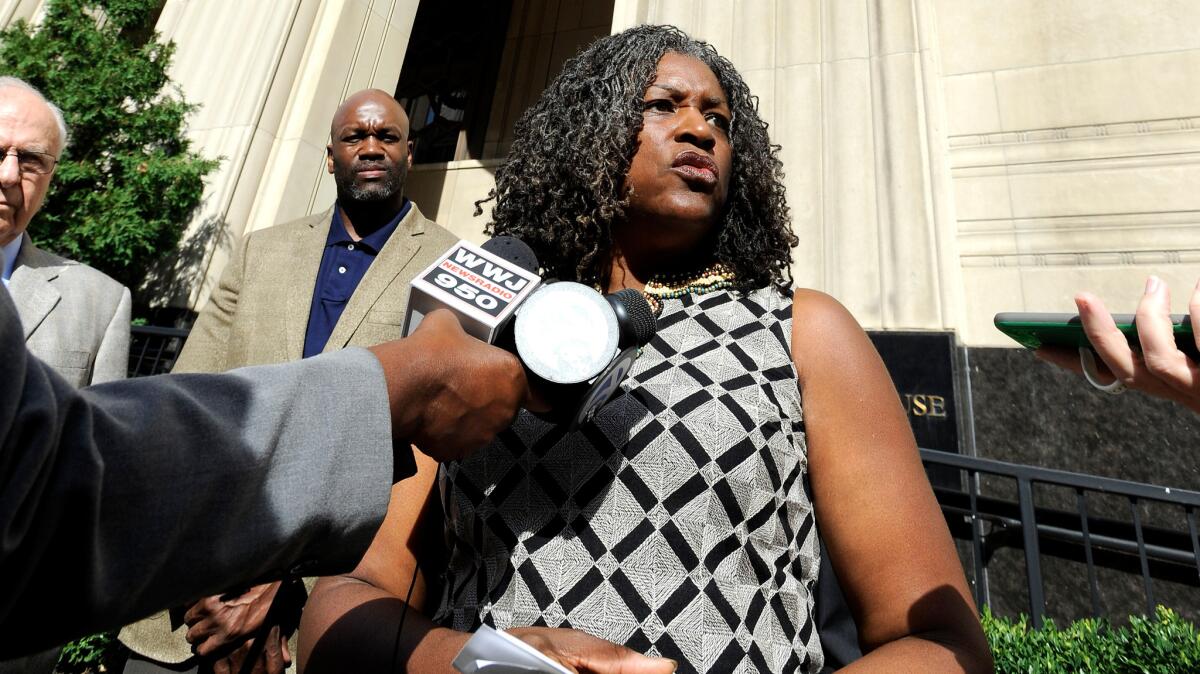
1152, 284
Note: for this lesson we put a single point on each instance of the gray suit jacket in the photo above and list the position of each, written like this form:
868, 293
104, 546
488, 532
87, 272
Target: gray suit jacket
107, 492
76, 318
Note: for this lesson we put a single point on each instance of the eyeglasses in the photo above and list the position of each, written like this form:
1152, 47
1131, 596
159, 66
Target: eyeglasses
31, 162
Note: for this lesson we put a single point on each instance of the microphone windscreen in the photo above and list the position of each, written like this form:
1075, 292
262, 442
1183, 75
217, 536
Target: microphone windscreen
566, 333
638, 323
514, 250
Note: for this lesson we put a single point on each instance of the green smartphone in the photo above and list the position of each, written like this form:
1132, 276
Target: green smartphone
1034, 330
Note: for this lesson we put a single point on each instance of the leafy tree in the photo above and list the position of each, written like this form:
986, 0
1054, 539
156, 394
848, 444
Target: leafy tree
128, 182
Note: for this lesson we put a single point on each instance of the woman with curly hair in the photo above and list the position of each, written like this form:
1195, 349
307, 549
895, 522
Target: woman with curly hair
758, 430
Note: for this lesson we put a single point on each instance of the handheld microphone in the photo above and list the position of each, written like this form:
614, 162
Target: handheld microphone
634, 316
580, 344
483, 286
577, 345
567, 333
638, 326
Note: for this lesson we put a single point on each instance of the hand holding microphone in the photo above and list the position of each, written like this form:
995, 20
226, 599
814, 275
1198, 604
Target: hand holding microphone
576, 344
450, 393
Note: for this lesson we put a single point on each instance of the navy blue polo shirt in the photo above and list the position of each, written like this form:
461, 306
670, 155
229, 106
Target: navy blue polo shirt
343, 265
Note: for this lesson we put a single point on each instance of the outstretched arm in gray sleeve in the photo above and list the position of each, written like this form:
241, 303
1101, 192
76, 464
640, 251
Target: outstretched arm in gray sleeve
106, 493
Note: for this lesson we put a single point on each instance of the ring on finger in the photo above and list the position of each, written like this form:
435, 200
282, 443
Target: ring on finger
1087, 361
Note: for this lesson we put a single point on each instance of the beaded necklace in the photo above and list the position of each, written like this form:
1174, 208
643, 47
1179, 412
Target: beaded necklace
672, 286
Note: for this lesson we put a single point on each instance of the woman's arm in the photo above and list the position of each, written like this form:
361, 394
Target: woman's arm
878, 519
352, 623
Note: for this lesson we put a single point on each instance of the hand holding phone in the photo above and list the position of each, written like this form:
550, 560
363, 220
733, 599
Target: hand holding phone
1037, 330
1167, 365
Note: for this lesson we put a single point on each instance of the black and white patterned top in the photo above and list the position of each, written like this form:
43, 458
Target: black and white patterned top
678, 522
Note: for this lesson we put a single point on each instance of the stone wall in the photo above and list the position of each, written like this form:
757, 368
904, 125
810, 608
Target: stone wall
1074, 147
1029, 412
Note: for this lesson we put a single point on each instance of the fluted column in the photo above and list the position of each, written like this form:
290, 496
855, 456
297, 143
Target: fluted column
12, 11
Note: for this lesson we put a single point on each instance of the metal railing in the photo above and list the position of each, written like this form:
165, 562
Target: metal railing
152, 350
1077, 533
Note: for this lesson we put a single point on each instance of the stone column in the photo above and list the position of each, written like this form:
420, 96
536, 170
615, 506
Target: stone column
12, 11
851, 91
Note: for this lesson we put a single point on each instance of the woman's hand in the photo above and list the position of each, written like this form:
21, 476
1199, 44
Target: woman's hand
1161, 369
583, 653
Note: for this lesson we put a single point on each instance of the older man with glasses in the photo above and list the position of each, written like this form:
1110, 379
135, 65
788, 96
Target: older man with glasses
75, 318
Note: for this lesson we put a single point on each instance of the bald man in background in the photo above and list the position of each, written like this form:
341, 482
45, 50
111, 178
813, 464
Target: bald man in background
321, 283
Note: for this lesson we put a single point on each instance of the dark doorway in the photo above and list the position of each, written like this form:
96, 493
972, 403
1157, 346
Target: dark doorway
473, 67
449, 76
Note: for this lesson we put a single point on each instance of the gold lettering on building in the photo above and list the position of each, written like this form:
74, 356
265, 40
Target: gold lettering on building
925, 405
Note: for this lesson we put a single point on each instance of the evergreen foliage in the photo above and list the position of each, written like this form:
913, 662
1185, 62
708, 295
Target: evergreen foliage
128, 182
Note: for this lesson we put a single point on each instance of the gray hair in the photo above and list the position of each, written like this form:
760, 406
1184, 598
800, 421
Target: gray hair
64, 135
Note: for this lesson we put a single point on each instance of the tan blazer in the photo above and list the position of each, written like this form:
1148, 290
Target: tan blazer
258, 314
76, 319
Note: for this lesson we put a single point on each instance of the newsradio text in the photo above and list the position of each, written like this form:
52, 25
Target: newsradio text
478, 280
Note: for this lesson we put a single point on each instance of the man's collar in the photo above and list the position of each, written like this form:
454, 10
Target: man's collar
11, 250
375, 240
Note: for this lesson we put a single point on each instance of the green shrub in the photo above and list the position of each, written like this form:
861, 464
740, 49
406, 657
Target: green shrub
1163, 643
92, 655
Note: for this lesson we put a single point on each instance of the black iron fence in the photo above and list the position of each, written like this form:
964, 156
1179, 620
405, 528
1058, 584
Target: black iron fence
152, 350
1073, 531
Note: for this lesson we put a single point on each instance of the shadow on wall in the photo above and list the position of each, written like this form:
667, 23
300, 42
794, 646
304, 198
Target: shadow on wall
446, 193
171, 283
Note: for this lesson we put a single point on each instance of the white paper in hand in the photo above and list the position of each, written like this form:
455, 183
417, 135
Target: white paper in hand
491, 652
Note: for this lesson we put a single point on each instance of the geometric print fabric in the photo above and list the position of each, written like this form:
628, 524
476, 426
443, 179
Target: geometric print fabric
677, 522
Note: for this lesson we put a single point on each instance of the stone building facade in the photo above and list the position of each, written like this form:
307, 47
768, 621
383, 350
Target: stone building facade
945, 159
